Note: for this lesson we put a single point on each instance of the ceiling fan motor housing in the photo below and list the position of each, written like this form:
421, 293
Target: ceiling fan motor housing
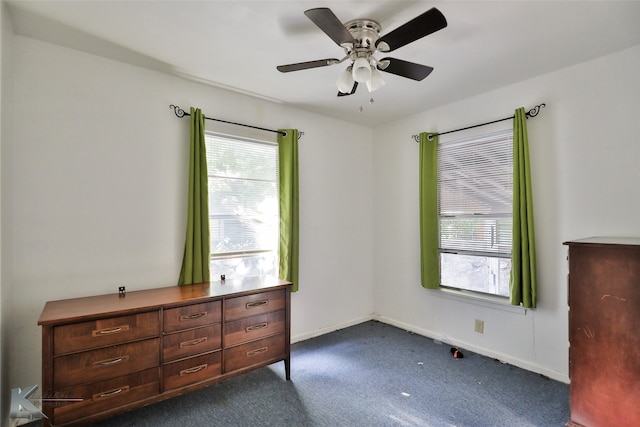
366, 33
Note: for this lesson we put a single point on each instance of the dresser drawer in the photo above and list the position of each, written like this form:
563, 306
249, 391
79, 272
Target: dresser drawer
255, 327
192, 316
250, 305
191, 371
104, 363
191, 342
105, 332
105, 395
255, 352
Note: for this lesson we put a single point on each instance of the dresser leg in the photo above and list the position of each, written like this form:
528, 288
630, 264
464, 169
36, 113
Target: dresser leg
287, 369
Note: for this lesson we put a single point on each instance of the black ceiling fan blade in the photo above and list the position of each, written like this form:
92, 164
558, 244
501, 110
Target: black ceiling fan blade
429, 22
328, 22
406, 69
353, 90
306, 65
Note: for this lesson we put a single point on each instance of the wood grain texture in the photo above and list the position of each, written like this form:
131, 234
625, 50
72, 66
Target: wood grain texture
76, 309
604, 317
192, 315
105, 332
255, 327
191, 342
104, 363
250, 305
118, 353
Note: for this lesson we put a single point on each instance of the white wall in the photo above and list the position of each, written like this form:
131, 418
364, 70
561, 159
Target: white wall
584, 157
6, 126
97, 165
99, 170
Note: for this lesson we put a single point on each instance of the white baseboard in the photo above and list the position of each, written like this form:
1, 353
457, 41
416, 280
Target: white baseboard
558, 376
331, 328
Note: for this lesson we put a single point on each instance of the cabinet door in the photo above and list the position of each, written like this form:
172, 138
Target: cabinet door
604, 351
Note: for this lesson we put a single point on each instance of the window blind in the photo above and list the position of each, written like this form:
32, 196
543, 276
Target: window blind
475, 192
243, 195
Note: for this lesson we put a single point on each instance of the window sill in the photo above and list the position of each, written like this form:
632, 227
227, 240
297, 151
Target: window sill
473, 298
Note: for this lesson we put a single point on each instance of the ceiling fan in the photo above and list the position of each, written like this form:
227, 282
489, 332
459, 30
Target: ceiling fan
360, 39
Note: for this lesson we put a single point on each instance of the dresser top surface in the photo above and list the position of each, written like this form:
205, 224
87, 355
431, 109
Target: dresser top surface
604, 240
114, 304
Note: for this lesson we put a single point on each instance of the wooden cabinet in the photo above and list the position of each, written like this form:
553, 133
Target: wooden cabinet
254, 328
107, 354
192, 344
604, 321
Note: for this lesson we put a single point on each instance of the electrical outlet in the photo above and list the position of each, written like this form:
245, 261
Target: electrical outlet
479, 327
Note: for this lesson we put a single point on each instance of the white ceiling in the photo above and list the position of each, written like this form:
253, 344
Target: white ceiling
238, 44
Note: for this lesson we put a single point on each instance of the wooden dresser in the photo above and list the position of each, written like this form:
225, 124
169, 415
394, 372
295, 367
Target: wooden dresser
111, 353
604, 332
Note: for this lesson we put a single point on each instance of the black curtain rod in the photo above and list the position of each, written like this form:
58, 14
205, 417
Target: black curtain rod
179, 112
531, 113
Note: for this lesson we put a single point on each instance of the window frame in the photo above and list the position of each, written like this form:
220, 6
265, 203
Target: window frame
246, 253
504, 137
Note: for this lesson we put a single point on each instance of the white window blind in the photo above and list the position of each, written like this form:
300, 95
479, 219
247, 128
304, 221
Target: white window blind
243, 205
475, 193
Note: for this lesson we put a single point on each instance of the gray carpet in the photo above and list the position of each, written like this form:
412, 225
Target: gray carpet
370, 374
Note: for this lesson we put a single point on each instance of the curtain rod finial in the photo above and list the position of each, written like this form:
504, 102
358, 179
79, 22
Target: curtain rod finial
179, 112
535, 110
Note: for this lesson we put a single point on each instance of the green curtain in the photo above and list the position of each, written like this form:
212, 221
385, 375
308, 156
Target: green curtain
196, 260
523, 251
288, 247
429, 240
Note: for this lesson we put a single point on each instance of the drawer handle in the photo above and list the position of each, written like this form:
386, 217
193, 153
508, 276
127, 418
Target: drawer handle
109, 331
257, 303
110, 362
197, 341
193, 316
257, 351
111, 393
256, 327
193, 370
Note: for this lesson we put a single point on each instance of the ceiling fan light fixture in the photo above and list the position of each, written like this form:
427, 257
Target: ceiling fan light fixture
376, 81
361, 70
345, 82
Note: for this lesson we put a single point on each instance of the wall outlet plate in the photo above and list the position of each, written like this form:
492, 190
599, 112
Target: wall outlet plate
479, 326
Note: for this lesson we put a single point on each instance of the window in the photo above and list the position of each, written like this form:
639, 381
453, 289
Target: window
475, 193
243, 205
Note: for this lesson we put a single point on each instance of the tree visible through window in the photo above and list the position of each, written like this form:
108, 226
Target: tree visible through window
243, 206
475, 193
